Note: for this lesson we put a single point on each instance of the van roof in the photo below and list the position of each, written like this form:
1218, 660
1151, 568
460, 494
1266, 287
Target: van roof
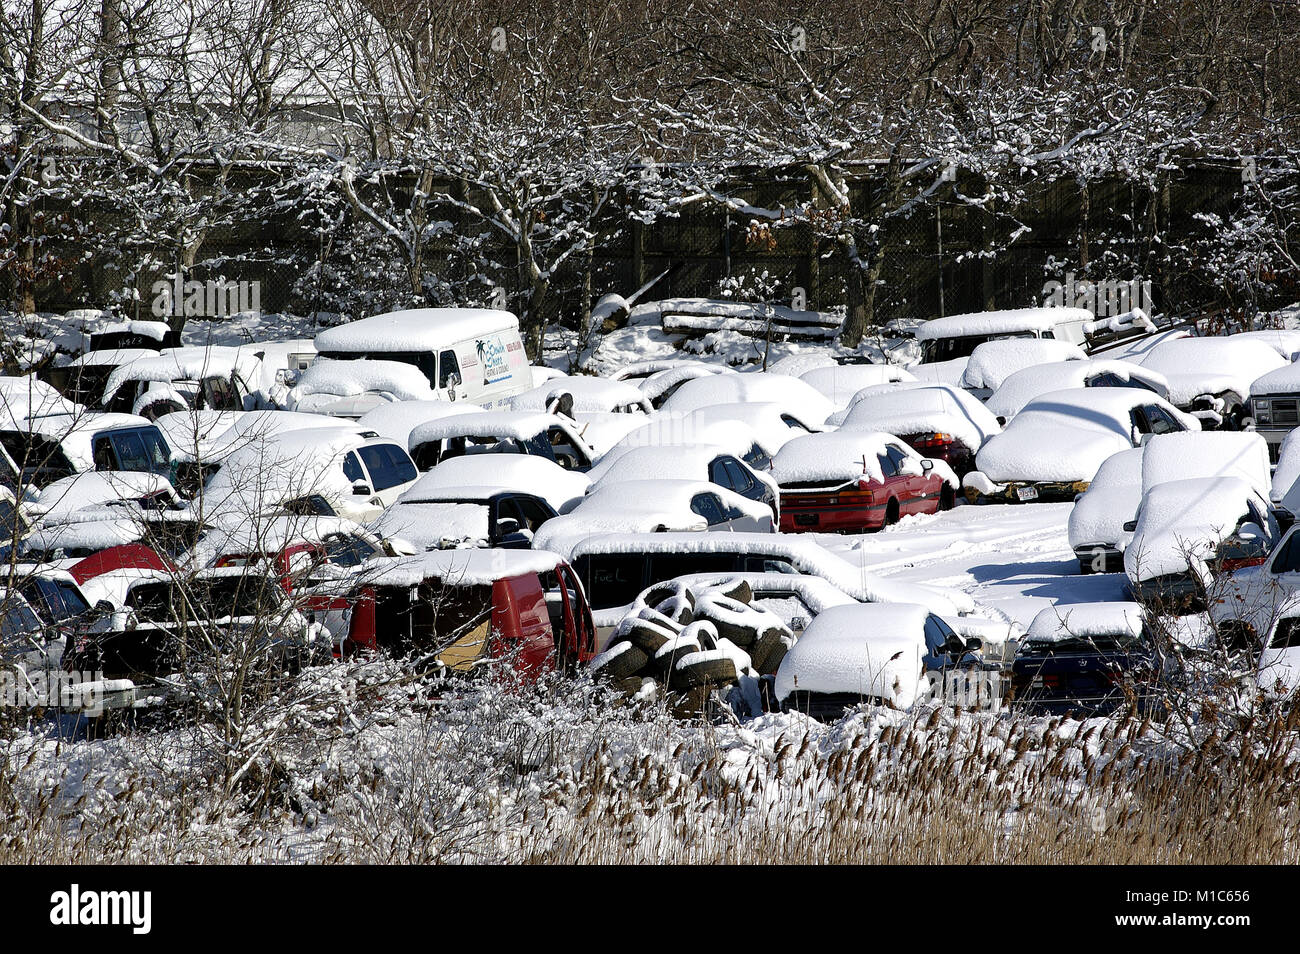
415, 329
1000, 322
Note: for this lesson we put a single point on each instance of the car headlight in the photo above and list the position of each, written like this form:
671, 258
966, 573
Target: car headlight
1262, 410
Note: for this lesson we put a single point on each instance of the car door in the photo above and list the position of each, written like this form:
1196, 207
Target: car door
389, 469
1279, 663
450, 379
709, 506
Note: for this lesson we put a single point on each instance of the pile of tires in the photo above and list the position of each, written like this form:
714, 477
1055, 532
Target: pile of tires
693, 644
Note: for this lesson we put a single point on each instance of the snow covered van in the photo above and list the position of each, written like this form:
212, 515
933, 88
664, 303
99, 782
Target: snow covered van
467, 354
957, 336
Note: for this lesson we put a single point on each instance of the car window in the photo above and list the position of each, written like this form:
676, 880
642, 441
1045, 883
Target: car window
741, 481
938, 634
1287, 634
534, 512
1161, 421
887, 465
719, 474
18, 620
219, 394
131, 453
447, 366
897, 455
758, 458
388, 465
1287, 559
344, 549
709, 507
352, 469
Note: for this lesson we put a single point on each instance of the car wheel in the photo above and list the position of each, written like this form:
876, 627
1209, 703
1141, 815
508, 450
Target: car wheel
947, 498
690, 673
891, 512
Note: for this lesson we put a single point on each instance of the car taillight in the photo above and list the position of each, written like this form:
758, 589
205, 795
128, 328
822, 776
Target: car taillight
864, 484
934, 439
233, 559
361, 628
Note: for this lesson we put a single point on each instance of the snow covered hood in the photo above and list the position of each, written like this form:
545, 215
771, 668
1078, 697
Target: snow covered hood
522, 473
871, 650
519, 425
841, 456
1111, 500
1086, 620
1244, 454
590, 395
840, 382
395, 420
1021, 387
1184, 519
793, 394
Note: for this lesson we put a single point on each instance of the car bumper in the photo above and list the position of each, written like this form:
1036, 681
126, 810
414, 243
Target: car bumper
1030, 492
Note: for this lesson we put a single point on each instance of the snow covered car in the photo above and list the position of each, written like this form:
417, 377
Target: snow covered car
50, 447
795, 397
395, 420
93, 529
328, 471
1189, 530
1278, 671
691, 462
1053, 448
578, 395
474, 610
61, 501
992, 362
656, 506
465, 354
957, 336
195, 378
850, 481
1211, 378
350, 389
877, 653
1089, 659
1018, 389
658, 386
841, 382
937, 421
1097, 520
550, 436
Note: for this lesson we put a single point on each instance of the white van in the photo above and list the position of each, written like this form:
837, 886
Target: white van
957, 336
468, 354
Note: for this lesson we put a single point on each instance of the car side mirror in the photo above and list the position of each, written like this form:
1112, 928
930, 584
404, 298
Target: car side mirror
361, 490
974, 644
1130, 526
927, 465
507, 526
453, 380
105, 607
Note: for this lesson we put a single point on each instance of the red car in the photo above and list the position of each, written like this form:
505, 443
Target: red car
465, 608
852, 481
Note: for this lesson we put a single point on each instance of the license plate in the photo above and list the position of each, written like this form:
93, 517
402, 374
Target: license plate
1027, 493
807, 519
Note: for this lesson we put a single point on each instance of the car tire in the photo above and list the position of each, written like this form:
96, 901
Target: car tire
891, 512
689, 673
627, 663
764, 651
947, 498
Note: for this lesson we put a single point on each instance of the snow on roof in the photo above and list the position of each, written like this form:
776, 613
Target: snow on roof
396, 420
840, 382
590, 395
85, 534
646, 369
764, 419
726, 437
1086, 620
674, 461
415, 329
1021, 387
156, 330
27, 397
1111, 500
659, 382
522, 473
1196, 366
519, 425
950, 372
793, 394
1184, 520
434, 524
841, 456
178, 364
1000, 322
871, 650
94, 488
467, 567
637, 506
918, 409
111, 356
405, 382
802, 552
1064, 435
193, 434
798, 364
993, 362
1241, 454
1283, 380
